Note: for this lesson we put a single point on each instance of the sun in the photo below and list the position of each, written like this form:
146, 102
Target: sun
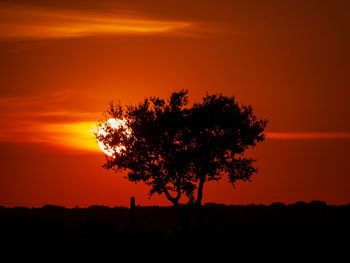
114, 124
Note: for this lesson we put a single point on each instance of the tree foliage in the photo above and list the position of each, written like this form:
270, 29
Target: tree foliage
175, 149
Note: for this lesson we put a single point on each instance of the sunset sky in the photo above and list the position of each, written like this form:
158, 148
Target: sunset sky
62, 62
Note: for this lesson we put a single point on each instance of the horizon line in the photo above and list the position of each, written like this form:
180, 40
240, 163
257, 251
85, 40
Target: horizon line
86, 206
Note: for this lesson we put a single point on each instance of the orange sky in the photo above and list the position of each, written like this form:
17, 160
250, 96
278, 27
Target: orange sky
62, 62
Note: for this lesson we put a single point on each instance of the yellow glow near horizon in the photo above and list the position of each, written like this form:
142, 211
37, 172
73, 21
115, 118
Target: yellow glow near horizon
74, 136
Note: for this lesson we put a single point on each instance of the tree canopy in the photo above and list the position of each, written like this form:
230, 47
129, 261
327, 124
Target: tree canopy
175, 149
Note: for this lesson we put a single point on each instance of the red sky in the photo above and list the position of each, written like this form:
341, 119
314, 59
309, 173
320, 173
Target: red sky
62, 62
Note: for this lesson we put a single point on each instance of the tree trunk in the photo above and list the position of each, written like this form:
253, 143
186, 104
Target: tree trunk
178, 212
200, 191
132, 214
198, 209
179, 216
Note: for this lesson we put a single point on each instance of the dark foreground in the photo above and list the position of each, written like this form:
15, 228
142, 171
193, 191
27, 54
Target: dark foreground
235, 226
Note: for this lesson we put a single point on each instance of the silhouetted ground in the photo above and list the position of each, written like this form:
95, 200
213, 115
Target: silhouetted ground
305, 224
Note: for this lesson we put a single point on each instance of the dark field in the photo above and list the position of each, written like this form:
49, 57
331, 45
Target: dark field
305, 224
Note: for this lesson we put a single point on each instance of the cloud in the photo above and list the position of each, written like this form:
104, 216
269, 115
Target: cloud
43, 119
23, 22
51, 107
307, 135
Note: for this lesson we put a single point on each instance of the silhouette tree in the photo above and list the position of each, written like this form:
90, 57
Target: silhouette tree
175, 149
221, 131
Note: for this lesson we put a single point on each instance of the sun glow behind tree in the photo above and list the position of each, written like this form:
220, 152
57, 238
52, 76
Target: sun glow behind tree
103, 131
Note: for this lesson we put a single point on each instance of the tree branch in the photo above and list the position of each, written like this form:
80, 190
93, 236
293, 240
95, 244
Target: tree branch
170, 198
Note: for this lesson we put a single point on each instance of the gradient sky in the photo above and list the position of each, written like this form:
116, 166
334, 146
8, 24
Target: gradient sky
62, 61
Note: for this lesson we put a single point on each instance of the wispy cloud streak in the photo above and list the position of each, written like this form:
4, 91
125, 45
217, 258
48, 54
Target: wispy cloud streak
37, 23
307, 135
